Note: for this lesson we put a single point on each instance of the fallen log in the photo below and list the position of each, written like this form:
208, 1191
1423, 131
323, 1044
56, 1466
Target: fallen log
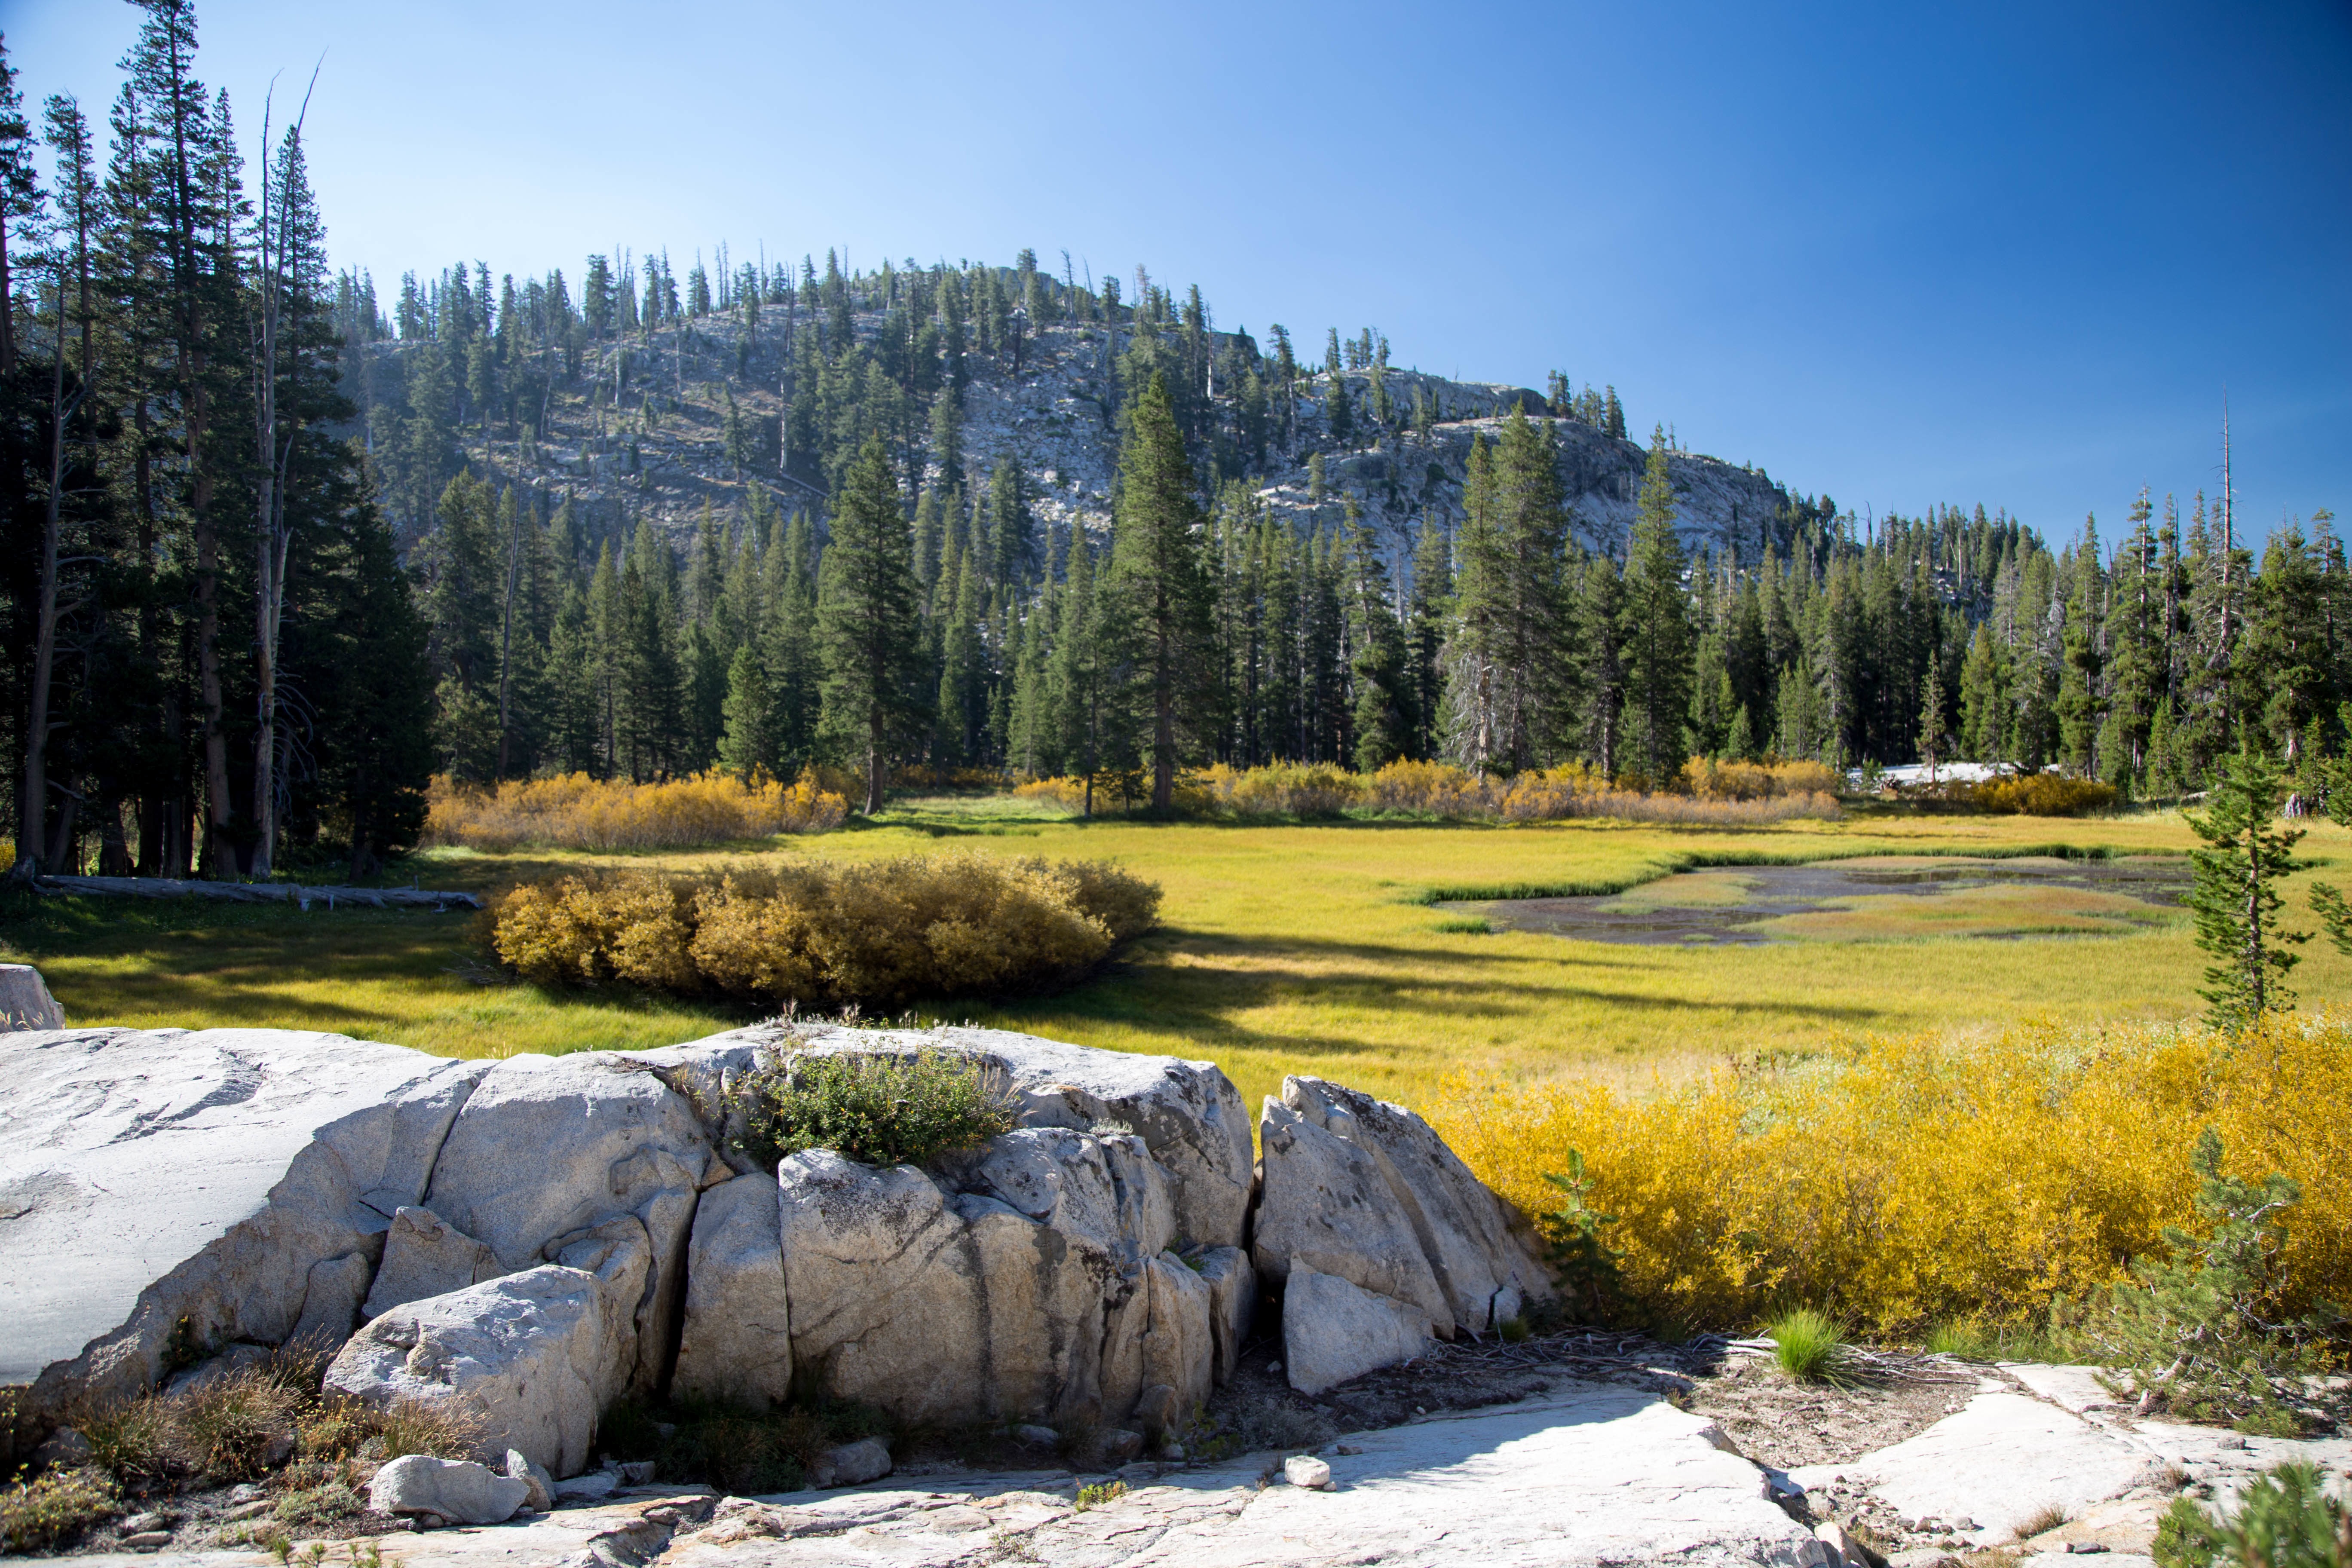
261, 893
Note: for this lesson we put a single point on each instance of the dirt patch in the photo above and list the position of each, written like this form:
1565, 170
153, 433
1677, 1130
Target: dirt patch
1780, 1422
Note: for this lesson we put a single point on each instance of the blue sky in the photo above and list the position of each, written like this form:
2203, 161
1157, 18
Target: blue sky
1900, 253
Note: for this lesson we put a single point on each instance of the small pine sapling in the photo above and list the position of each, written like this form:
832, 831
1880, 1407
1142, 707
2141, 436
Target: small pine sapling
1575, 1238
2286, 1518
2202, 1334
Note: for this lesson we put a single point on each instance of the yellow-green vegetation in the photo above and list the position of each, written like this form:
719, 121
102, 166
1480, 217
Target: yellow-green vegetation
2003, 910
877, 934
53, 1508
1931, 1179
581, 812
1281, 948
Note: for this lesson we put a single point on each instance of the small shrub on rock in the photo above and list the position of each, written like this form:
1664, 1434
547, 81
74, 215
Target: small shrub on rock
877, 1110
876, 934
53, 1508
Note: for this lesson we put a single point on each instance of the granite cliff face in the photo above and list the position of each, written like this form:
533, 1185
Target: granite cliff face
1055, 415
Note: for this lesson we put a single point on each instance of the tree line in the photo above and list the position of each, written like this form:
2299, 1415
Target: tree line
216, 655
260, 592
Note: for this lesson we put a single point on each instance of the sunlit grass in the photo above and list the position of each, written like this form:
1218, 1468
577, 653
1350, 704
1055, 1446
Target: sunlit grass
2001, 909
1284, 948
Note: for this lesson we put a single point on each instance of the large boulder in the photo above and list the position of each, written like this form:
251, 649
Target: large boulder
1327, 1208
165, 1187
536, 1356
1030, 1282
1367, 1191
736, 1339
550, 1150
1362, 1191
1479, 1250
24, 1000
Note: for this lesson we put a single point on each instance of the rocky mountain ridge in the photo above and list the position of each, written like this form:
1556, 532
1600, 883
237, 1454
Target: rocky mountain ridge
1055, 415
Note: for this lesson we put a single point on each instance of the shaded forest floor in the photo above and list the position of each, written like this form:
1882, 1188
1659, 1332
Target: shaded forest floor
1284, 947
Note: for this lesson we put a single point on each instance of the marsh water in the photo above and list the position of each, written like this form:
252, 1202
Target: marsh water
1878, 897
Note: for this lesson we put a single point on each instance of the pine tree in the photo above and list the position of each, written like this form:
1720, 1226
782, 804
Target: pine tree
2235, 896
1431, 605
1157, 609
1656, 622
866, 622
747, 748
1931, 719
1381, 718
1084, 718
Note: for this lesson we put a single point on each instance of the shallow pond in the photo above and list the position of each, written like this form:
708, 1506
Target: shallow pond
1876, 898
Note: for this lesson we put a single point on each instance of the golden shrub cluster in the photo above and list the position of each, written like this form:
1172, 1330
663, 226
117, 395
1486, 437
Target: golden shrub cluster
2042, 795
577, 812
876, 933
1558, 793
1278, 789
1710, 779
1734, 794
1914, 1182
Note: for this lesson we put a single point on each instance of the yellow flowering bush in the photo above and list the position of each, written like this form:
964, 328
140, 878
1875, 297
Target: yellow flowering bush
1910, 1181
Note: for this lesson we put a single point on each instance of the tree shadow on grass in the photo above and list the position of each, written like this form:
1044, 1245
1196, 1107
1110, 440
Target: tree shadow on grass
1205, 998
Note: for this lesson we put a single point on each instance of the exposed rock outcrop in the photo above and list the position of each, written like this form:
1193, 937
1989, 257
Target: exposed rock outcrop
1031, 1285
424, 1254
538, 1236
737, 1341
1365, 1192
549, 1151
538, 1355
152, 1177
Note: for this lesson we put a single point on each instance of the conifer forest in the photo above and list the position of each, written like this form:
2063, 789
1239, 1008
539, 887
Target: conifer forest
283, 542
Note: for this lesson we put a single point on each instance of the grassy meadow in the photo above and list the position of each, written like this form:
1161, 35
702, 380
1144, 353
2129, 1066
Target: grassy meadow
1283, 948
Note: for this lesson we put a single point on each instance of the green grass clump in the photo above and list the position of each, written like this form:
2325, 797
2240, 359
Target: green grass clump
53, 1508
880, 1110
1807, 1345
